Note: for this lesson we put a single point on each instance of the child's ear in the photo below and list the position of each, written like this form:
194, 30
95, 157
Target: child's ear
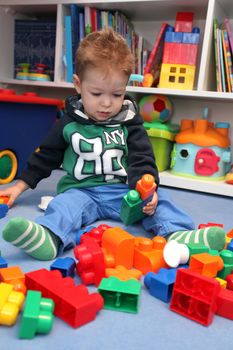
77, 83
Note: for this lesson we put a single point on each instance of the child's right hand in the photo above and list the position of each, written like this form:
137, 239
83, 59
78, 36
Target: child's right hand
14, 191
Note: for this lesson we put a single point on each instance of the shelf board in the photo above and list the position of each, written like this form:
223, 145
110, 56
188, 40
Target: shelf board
61, 84
213, 187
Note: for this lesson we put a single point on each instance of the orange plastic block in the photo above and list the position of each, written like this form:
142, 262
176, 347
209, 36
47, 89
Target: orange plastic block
4, 199
123, 274
230, 233
13, 275
146, 186
206, 264
118, 247
148, 254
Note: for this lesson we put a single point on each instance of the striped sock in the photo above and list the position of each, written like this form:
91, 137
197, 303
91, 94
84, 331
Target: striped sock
34, 239
213, 237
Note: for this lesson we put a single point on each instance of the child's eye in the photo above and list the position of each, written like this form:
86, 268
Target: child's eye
96, 93
117, 95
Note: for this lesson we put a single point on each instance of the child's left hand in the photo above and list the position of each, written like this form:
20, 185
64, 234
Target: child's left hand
149, 209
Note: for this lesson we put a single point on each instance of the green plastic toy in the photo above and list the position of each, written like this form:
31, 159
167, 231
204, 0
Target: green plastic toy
120, 295
37, 315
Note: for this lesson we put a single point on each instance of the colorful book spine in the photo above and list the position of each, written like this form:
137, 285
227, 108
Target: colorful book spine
229, 32
217, 58
68, 50
227, 59
221, 60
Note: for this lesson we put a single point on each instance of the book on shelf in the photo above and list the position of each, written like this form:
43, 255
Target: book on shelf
68, 50
223, 56
155, 59
34, 42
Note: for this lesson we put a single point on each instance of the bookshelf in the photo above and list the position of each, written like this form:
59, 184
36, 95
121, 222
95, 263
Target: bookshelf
147, 17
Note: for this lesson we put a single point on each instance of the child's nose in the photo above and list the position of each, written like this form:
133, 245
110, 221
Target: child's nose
106, 101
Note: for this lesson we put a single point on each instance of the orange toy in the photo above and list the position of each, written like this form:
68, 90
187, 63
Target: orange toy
146, 186
123, 274
13, 275
206, 264
148, 254
4, 199
118, 247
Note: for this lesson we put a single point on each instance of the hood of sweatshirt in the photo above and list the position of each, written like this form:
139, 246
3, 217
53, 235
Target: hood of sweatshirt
128, 115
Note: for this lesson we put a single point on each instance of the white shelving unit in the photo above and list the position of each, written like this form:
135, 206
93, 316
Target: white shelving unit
147, 17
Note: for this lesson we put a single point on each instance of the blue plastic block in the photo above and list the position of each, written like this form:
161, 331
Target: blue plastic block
81, 232
173, 37
65, 265
161, 284
3, 263
230, 245
3, 210
191, 38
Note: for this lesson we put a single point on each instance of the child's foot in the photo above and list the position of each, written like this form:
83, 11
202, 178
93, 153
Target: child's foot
36, 240
213, 237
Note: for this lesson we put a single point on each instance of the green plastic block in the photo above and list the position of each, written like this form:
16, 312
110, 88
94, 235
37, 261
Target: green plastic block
37, 315
197, 248
120, 295
131, 208
227, 257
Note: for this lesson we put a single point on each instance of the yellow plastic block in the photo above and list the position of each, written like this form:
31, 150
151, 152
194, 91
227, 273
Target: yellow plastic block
10, 304
177, 76
222, 282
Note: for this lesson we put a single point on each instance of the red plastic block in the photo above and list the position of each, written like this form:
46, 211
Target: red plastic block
184, 22
179, 53
73, 304
225, 303
96, 233
90, 266
229, 280
194, 296
146, 186
209, 224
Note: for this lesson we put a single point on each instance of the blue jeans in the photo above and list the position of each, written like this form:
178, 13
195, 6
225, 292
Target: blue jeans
75, 208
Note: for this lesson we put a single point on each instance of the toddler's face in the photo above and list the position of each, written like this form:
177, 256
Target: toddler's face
102, 94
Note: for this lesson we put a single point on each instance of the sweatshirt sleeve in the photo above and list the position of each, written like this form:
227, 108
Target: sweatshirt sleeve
141, 158
49, 157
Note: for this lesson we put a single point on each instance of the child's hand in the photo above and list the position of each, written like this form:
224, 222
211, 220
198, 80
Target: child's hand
14, 191
149, 209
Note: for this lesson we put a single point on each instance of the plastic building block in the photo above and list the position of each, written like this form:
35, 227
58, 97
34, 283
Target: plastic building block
161, 284
37, 315
96, 233
131, 208
196, 248
73, 304
227, 257
3, 262
123, 274
118, 247
192, 38
177, 76
210, 224
90, 266
225, 304
4, 199
3, 210
229, 281
146, 186
184, 22
10, 304
194, 296
82, 232
148, 255
173, 37
179, 53
175, 253
65, 265
230, 245
120, 295
206, 264
222, 282
14, 276
230, 233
